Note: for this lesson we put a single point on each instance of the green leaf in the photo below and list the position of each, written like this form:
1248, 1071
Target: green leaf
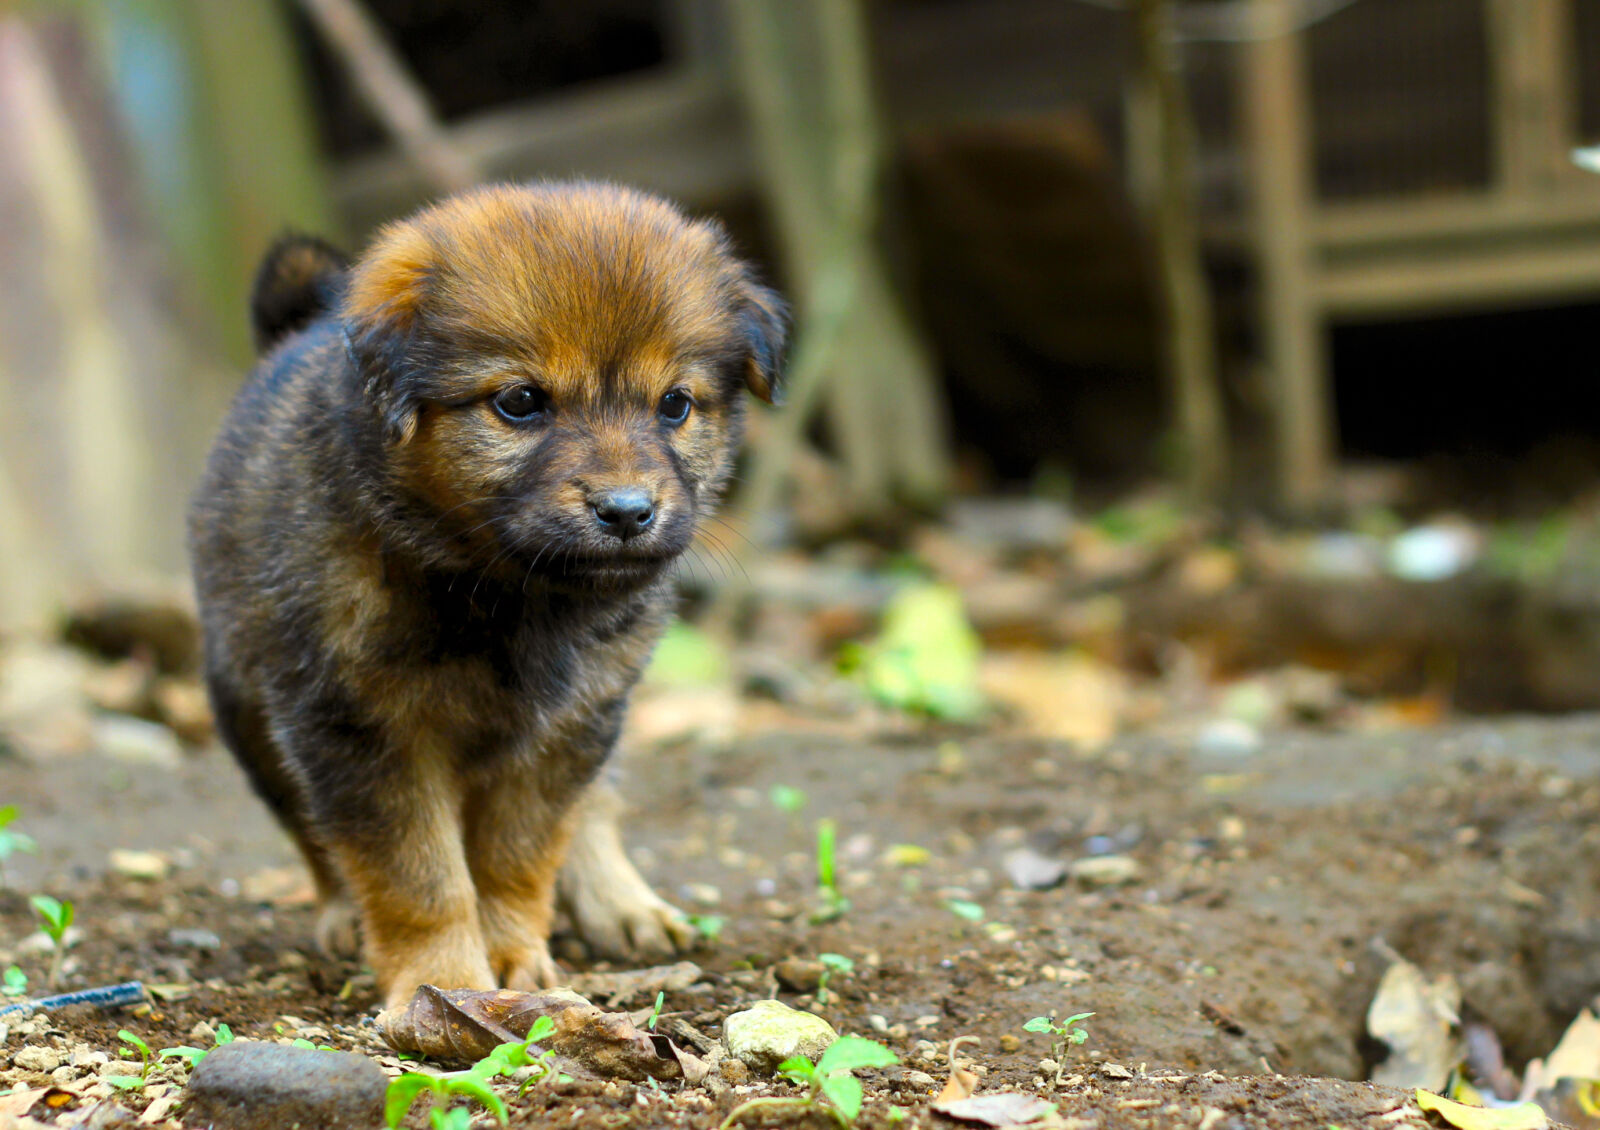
798, 1068
8, 813
57, 915
541, 1028
471, 1085
688, 657
452, 1118
403, 1091
184, 1051
787, 798
13, 982
925, 659
1039, 1024
844, 1092
837, 962
124, 1082
1075, 1019
708, 926
224, 1035
848, 1053
128, 1037
961, 908
827, 877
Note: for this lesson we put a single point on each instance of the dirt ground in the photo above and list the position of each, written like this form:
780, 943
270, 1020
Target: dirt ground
1240, 941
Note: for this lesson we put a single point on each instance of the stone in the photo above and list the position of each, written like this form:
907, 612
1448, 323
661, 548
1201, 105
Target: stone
798, 975
35, 1058
137, 742
248, 1085
769, 1032
1105, 870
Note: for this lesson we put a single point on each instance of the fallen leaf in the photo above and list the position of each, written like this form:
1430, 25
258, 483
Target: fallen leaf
1577, 1053
1523, 1116
960, 1085
1003, 1108
1415, 1018
464, 1025
20, 1101
619, 989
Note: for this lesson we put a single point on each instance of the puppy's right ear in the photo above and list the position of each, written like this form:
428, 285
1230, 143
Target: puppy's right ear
764, 318
383, 312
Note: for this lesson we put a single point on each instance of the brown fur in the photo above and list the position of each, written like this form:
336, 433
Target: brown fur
421, 627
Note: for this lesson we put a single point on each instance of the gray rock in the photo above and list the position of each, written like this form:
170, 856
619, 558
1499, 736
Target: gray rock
195, 938
255, 1086
769, 1032
1030, 871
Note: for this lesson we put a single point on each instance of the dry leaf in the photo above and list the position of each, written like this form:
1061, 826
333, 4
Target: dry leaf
620, 989
959, 1086
20, 1101
1523, 1116
464, 1025
1415, 1018
1577, 1053
1002, 1108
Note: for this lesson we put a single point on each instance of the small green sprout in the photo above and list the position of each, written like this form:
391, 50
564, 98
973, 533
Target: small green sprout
12, 841
301, 1042
133, 1082
404, 1089
787, 798
962, 908
831, 963
195, 1055
509, 1058
13, 982
708, 926
57, 918
451, 1118
1063, 1035
831, 1077
833, 904
655, 1013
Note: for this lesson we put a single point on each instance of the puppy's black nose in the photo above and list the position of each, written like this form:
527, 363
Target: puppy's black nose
624, 513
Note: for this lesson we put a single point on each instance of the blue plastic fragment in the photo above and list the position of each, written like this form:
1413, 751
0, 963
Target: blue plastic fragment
111, 996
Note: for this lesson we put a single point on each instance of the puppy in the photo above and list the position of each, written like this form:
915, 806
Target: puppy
431, 549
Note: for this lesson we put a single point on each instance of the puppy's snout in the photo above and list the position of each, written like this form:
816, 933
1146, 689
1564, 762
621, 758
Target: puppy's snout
625, 512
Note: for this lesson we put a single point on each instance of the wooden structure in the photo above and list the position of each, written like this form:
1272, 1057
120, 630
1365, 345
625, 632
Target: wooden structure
1531, 234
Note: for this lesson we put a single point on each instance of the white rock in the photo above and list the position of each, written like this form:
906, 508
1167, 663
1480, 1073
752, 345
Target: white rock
769, 1032
136, 741
1228, 737
35, 1058
1105, 870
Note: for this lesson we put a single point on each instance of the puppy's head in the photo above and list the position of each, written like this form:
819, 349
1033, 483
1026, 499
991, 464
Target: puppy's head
559, 371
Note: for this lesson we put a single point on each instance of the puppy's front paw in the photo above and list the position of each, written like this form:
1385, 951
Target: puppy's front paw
531, 969
338, 932
624, 918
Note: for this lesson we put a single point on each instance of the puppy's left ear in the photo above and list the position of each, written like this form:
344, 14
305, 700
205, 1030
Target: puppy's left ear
764, 321
383, 314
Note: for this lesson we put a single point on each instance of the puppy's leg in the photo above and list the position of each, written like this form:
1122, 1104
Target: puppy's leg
611, 906
515, 839
399, 850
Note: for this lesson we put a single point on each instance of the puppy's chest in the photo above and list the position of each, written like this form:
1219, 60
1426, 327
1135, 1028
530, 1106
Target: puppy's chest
518, 681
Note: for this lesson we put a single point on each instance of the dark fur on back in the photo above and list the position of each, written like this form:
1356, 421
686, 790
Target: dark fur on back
418, 640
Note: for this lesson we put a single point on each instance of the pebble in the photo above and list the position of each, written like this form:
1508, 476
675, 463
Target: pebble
35, 1058
261, 1086
150, 866
1228, 737
1030, 871
194, 938
920, 1079
136, 741
1105, 870
1009, 1043
798, 975
769, 1032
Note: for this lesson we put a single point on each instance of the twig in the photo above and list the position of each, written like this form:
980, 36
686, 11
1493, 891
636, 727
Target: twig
393, 96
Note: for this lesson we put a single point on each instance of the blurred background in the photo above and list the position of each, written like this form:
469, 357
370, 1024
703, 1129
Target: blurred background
1154, 359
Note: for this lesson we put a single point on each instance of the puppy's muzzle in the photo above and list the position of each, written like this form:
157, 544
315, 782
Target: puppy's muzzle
624, 512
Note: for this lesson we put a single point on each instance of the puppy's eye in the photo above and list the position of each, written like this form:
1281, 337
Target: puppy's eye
521, 403
674, 407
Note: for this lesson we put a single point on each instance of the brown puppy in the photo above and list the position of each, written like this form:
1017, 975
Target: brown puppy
431, 549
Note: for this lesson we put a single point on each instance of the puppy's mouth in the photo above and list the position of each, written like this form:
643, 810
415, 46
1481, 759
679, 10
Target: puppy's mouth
606, 572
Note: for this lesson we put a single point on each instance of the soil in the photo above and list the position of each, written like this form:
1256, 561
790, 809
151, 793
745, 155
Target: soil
1238, 960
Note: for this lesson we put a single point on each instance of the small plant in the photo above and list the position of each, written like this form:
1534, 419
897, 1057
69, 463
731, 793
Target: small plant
708, 926
14, 982
831, 963
300, 1042
833, 904
404, 1089
1063, 1035
962, 908
787, 798
195, 1055
57, 918
12, 841
655, 1013
451, 1118
133, 1082
831, 1078
507, 1059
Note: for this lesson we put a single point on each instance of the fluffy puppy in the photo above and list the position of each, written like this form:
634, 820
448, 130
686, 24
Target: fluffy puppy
431, 550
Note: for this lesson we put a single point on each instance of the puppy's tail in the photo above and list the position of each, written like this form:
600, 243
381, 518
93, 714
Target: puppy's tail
299, 279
